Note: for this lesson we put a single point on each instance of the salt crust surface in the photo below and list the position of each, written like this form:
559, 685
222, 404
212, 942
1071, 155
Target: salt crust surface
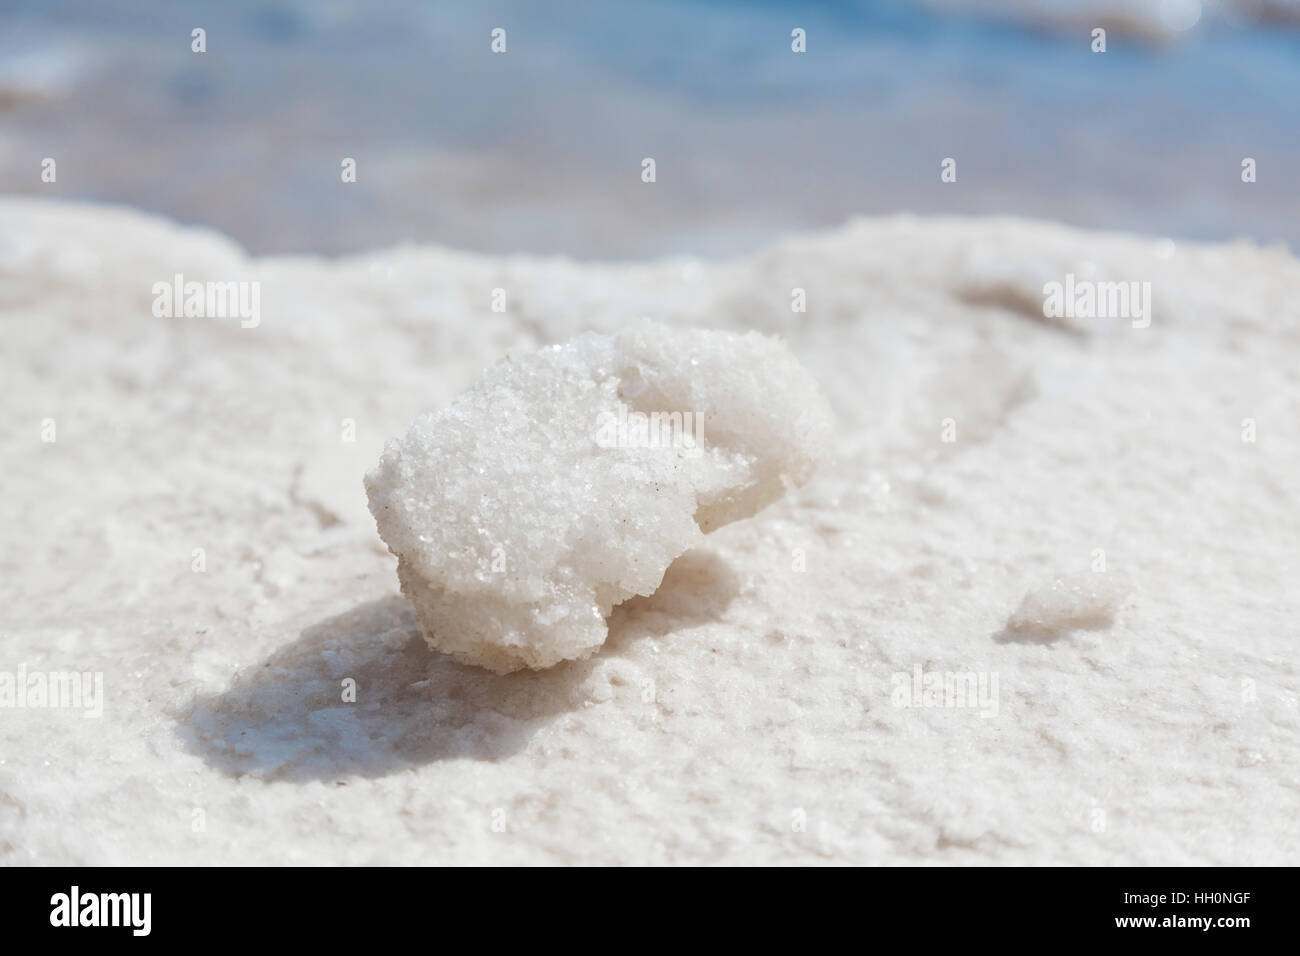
743, 696
524, 512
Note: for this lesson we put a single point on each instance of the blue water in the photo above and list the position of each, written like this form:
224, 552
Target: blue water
540, 149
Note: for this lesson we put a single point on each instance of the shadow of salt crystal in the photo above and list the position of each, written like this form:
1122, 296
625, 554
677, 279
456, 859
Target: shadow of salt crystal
697, 588
285, 718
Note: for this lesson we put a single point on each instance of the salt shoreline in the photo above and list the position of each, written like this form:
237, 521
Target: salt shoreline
741, 714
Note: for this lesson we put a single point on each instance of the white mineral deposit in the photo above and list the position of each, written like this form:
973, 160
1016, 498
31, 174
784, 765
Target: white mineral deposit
1036, 605
566, 481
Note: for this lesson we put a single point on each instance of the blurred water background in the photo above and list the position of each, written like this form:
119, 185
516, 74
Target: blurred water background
540, 149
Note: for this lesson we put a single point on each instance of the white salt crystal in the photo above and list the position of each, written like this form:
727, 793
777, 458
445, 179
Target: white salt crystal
566, 481
1080, 601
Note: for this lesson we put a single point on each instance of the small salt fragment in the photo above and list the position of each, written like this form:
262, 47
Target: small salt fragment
565, 482
1081, 601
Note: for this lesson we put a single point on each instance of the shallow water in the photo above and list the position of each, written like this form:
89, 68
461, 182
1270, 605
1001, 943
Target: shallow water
540, 149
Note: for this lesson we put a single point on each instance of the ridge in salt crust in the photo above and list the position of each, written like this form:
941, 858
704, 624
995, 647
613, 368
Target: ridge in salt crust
541, 498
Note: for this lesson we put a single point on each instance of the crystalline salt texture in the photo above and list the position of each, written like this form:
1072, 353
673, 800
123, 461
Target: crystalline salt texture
565, 482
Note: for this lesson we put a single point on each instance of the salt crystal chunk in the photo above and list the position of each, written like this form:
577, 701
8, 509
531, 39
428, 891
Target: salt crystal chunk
1080, 601
566, 481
